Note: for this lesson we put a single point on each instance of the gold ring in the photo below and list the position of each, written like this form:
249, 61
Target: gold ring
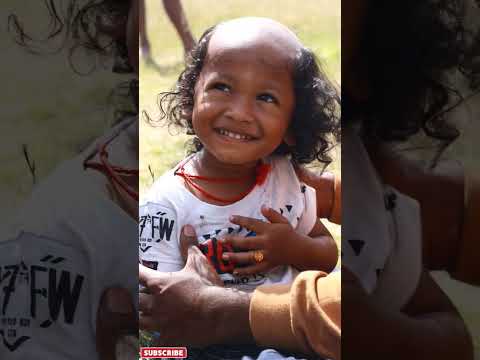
258, 256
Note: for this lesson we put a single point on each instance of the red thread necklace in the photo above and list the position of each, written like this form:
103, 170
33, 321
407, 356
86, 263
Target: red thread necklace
112, 172
261, 171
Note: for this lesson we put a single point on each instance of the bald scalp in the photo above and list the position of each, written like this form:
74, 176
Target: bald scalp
255, 33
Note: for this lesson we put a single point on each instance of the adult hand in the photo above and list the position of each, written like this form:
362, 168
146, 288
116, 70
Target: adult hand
191, 307
116, 319
274, 240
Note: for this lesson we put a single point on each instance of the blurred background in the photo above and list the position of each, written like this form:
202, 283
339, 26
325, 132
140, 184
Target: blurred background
466, 150
50, 110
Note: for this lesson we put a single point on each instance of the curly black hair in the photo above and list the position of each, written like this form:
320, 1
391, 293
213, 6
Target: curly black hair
98, 27
316, 117
409, 48
94, 26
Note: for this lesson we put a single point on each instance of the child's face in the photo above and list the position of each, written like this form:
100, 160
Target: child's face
244, 98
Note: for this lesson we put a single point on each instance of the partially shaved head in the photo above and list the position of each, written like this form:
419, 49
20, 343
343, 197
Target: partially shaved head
252, 80
255, 33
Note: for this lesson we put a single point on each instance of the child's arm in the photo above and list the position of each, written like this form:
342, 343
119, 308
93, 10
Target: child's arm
281, 245
440, 192
328, 193
428, 328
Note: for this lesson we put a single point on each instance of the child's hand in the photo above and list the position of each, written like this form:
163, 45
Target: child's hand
273, 244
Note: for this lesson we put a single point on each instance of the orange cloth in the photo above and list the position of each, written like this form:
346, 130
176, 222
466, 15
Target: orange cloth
467, 268
303, 317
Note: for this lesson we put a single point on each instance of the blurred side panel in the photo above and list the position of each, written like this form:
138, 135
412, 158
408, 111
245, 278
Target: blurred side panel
69, 177
410, 121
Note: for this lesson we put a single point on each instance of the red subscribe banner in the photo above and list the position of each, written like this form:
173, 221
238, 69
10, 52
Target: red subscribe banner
163, 352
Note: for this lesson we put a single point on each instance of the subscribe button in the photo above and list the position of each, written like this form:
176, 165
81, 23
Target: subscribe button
163, 352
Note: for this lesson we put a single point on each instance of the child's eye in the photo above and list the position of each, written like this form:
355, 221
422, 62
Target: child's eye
221, 87
268, 98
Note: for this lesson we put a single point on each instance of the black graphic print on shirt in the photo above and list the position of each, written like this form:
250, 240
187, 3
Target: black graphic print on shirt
39, 288
155, 225
159, 236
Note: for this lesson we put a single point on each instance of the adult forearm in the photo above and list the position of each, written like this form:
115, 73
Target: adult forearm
304, 317
230, 310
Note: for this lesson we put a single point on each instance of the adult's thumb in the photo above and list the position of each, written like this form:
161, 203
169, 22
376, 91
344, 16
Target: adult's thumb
116, 319
195, 261
188, 239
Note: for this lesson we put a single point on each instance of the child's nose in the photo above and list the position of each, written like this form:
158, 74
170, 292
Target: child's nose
241, 109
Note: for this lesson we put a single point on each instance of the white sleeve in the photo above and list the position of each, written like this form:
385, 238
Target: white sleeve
309, 215
159, 238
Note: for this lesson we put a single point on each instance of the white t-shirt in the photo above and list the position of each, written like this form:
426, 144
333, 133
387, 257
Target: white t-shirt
67, 244
381, 230
168, 206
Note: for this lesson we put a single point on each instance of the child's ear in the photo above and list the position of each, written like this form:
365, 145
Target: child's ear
289, 139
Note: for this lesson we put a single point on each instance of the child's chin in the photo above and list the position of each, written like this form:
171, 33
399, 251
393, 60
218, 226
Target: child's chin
235, 160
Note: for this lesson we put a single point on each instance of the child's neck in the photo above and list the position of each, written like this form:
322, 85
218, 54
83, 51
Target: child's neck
207, 165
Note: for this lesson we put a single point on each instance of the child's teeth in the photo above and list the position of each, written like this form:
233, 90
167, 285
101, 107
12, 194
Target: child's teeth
233, 135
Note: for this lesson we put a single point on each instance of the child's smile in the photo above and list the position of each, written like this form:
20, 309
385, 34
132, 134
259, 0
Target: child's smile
232, 135
244, 97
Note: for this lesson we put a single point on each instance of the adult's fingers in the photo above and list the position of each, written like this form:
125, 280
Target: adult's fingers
273, 216
199, 265
249, 223
152, 280
146, 275
116, 310
116, 316
188, 239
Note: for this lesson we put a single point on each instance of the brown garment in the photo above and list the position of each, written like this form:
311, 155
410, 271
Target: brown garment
303, 317
467, 268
